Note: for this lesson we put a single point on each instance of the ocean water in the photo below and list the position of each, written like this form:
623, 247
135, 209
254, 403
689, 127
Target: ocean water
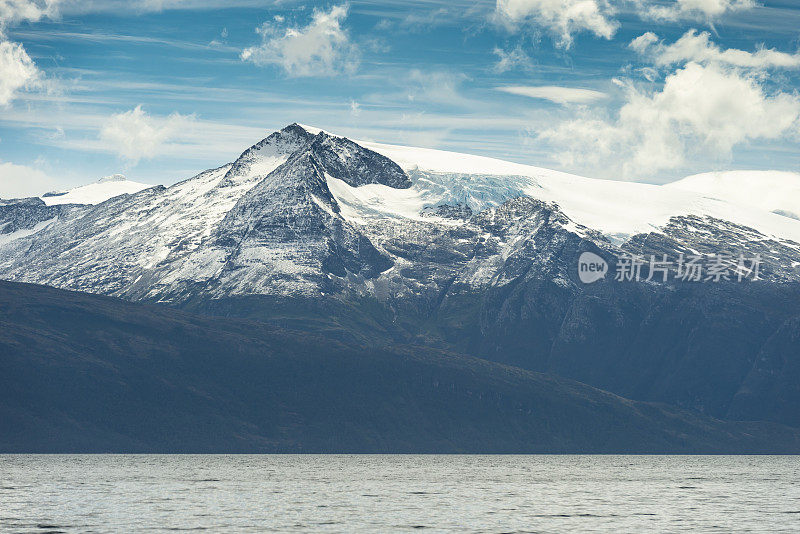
295, 493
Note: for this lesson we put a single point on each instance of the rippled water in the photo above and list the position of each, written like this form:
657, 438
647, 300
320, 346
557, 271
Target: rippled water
110, 493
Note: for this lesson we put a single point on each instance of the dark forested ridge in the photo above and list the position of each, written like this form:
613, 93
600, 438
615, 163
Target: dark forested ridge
85, 373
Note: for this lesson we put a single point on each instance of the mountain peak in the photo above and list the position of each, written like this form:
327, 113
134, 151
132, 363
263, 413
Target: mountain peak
262, 158
339, 156
313, 130
112, 178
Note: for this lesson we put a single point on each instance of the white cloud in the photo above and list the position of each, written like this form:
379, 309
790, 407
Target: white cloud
642, 43
139, 6
322, 48
19, 181
16, 11
559, 95
697, 47
437, 87
508, 60
425, 20
715, 101
701, 111
153, 5
136, 135
563, 17
17, 71
693, 9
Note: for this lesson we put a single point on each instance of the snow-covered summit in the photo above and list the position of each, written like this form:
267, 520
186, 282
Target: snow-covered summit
775, 191
112, 178
100, 191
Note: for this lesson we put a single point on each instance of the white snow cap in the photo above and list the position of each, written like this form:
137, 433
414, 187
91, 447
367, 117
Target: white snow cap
775, 191
96, 193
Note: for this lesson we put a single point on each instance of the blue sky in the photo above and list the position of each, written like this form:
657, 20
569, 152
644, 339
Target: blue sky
645, 90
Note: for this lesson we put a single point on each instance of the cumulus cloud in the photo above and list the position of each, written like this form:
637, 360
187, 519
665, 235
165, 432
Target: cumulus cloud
20, 181
643, 43
322, 48
693, 9
562, 17
16, 11
715, 100
697, 47
17, 71
565, 18
557, 94
702, 110
513, 59
135, 135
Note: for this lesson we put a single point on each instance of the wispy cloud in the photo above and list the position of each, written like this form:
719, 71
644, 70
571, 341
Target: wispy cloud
105, 37
512, 59
557, 94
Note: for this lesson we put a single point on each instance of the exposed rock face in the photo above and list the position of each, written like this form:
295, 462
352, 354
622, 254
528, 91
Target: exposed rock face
355, 165
26, 214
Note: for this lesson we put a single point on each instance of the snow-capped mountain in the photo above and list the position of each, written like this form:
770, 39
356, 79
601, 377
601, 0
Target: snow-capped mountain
307, 212
24, 217
380, 243
96, 193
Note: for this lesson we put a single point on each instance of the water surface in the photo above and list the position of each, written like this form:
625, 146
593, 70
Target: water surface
241, 493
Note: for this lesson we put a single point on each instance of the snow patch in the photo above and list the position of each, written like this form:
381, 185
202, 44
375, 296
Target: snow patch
375, 200
96, 193
8, 238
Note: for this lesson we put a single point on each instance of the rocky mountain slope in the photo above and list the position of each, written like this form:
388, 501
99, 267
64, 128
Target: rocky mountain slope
378, 245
